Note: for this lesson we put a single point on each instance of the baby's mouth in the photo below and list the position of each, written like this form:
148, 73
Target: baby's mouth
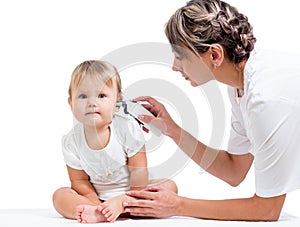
92, 113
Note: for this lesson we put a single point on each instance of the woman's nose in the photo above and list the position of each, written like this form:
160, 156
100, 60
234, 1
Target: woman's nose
175, 66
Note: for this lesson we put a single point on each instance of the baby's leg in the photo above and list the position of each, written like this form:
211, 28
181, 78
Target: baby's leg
113, 207
68, 203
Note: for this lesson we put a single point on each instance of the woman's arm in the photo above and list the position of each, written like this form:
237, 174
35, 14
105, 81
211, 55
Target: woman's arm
159, 202
80, 182
227, 167
137, 166
221, 164
247, 209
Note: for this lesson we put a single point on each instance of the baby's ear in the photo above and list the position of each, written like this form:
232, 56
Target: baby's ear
117, 108
118, 104
70, 102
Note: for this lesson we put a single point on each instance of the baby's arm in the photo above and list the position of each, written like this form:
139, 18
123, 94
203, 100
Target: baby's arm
80, 182
137, 166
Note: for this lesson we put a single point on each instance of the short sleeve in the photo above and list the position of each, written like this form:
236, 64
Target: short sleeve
274, 131
70, 153
238, 140
129, 134
134, 137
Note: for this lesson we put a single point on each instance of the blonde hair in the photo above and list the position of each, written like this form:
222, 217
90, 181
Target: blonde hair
203, 22
103, 71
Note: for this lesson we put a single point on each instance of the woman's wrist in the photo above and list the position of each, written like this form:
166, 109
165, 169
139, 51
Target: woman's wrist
175, 133
179, 210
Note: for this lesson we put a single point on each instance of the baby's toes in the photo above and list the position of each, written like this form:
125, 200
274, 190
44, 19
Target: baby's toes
112, 218
79, 209
100, 208
105, 210
107, 215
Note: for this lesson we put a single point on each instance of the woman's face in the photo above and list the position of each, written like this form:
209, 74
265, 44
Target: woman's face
192, 67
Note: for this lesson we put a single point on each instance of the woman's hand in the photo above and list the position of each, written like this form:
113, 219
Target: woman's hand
153, 202
163, 120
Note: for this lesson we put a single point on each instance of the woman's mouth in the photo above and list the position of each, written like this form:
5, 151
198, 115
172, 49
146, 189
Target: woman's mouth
185, 76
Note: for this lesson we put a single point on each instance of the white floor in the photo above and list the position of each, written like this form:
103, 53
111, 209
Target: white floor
48, 217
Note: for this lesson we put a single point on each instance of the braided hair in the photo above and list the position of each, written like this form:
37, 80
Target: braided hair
203, 22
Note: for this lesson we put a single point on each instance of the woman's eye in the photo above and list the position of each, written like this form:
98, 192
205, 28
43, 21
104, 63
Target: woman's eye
101, 96
178, 57
82, 96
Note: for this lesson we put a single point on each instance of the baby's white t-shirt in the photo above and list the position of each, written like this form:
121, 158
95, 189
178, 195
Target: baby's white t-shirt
266, 121
107, 168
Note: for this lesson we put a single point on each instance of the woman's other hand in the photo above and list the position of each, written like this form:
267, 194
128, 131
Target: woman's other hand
153, 201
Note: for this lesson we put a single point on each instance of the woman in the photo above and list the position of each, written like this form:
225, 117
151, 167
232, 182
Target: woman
264, 93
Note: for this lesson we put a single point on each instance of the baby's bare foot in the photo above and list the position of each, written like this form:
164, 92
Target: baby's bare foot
112, 208
90, 214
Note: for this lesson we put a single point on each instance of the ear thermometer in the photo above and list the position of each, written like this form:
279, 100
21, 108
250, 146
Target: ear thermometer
134, 109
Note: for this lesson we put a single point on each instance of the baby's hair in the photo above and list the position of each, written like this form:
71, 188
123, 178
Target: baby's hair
103, 71
203, 22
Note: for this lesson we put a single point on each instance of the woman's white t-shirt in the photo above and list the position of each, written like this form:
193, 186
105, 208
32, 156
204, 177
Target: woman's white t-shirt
266, 121
107, 168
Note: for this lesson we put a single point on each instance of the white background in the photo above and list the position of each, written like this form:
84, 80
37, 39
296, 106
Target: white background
40, 44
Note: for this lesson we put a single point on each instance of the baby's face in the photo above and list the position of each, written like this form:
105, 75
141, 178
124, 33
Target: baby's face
94, 103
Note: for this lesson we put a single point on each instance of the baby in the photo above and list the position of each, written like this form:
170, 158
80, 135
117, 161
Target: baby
104, 152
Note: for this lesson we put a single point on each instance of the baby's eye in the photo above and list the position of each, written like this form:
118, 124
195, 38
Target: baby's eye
82, 96
101, 96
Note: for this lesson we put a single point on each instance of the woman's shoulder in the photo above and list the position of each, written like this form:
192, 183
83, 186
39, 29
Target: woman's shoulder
273, 58
272, 73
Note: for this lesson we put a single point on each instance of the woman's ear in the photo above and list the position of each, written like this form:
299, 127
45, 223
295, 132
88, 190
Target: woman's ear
216, 55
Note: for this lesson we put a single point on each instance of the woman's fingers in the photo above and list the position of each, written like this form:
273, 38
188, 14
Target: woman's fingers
152, 101
144, 212
153, 201
153, 188
143, 207
146, 195
162, 121
144, 99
